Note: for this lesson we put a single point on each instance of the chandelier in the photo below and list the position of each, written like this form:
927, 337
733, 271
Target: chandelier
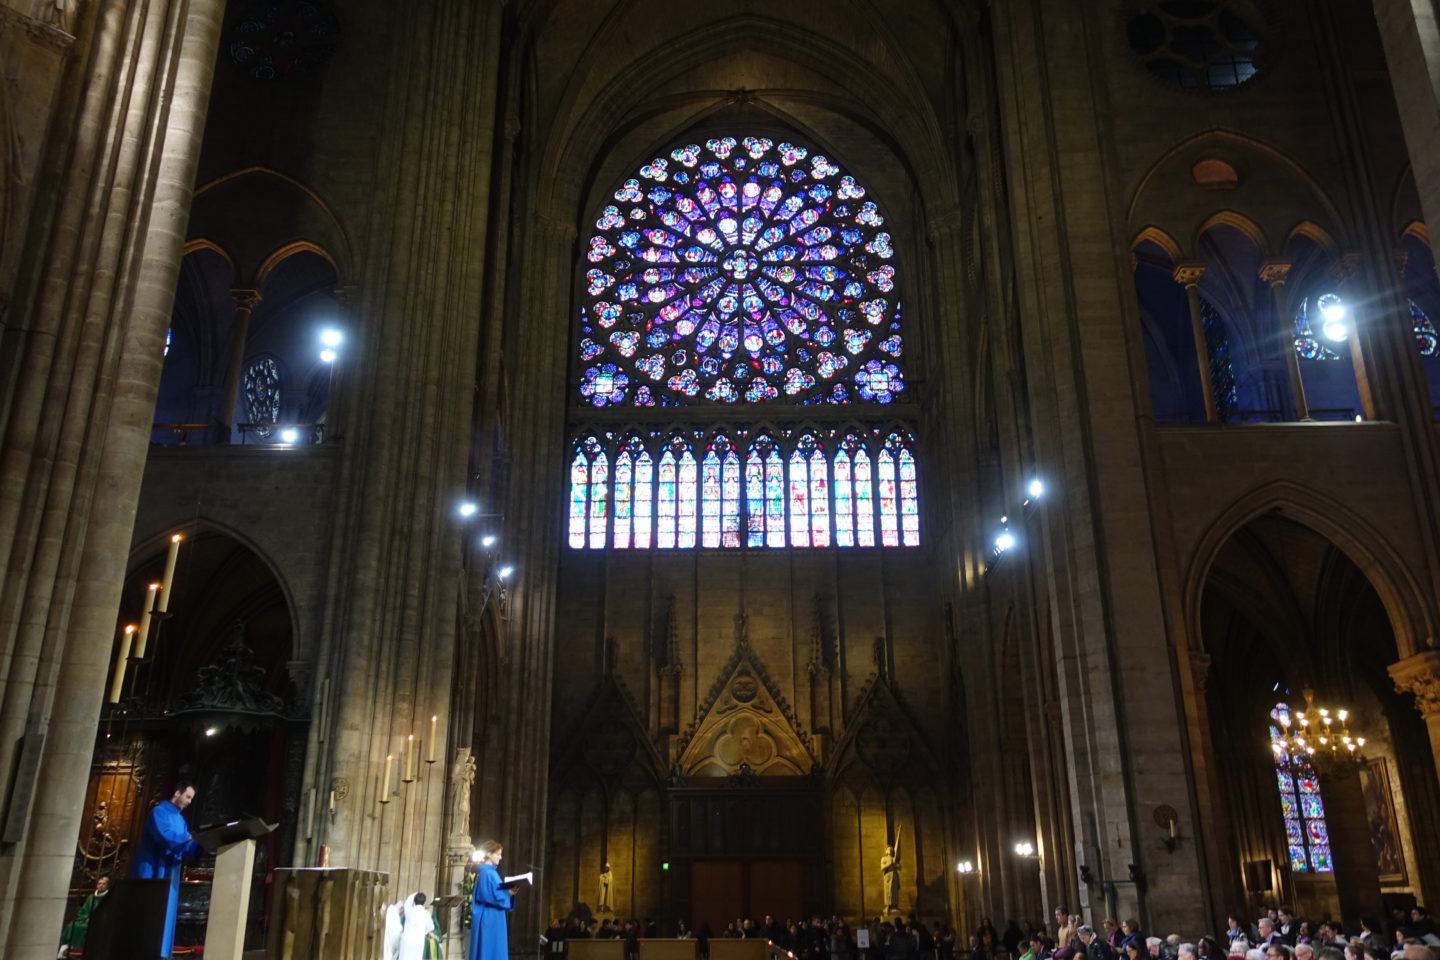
1320, 735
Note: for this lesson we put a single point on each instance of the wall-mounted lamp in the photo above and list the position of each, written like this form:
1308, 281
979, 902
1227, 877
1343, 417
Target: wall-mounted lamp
1167, 819
1025, 849
966, 867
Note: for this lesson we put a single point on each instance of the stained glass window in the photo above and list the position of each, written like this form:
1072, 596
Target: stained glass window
1307, 345
579, 497
599, 491
1425, 336
644, 483
1217, 349
743, 270
817, 489
1306, 836
262, 394
740, 271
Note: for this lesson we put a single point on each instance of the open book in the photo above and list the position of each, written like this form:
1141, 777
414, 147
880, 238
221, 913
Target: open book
515, 881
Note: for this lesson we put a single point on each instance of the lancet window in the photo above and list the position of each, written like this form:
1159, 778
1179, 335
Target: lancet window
1306, 835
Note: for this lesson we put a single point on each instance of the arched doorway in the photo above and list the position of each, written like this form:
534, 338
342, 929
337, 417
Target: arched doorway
211, 702
1283, 608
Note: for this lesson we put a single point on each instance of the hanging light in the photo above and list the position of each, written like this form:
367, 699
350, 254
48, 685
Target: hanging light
1317, 734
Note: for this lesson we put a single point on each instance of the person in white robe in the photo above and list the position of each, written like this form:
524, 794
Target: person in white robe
391, 943
417, 925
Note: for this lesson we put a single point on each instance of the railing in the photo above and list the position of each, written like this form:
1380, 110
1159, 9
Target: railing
1327, 414
251, 434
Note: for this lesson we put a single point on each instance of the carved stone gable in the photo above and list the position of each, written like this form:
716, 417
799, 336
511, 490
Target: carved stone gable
745, 726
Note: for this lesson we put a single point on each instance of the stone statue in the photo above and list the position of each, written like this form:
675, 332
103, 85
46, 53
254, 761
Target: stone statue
602, 891
890, 874
462, 781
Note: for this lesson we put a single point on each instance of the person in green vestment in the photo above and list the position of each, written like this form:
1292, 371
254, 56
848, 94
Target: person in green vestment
435, 940
73, 935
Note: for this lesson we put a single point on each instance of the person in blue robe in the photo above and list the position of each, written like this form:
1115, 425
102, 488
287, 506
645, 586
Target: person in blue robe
164, 844
489, 939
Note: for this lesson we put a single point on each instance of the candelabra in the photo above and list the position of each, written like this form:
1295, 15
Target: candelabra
1319, 735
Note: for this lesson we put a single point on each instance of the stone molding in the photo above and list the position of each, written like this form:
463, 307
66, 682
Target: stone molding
1274, 272
1188, 273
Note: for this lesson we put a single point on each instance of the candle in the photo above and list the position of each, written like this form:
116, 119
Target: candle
145, 621
410, 758
430, 758
1172, 828
385, 790
120, 663
169, 577
332, 801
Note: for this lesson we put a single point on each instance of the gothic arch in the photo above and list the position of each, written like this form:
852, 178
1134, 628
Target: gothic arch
294, 214
1411, 619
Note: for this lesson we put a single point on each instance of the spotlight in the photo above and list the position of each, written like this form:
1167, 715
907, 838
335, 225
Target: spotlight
210, 732
965, 866
505, 571
1025, 849
1332, 313
468, 509
488, 540
1036, 488
1005, 541
330, 337
474, 856
289, 435
327, 355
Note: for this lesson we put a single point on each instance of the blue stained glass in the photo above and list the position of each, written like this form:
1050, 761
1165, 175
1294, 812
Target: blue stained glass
774, 244
1425, 336
1301, 807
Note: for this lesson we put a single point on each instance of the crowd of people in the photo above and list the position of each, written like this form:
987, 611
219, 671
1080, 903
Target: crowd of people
1276, 935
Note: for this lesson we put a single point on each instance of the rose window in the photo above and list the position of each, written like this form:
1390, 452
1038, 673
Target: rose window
740, 271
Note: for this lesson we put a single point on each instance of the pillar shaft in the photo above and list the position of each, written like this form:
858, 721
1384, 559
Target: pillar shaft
1419, 675
1274, 273
101, 300
245, 303
1188, 275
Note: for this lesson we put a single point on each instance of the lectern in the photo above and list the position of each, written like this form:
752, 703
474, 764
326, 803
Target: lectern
234, 847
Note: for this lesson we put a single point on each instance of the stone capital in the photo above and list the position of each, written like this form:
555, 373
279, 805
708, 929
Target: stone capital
1401, 259
1346, 267
1274, 271
245, 298
1420, 676
1188, 273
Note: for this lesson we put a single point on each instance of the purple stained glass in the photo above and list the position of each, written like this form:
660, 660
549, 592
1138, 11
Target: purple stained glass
1300, 805
739, 249
799, 501
1320, 857
644, 487
624, 477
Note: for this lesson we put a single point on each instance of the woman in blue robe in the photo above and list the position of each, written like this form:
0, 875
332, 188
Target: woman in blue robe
164, 844
488, 906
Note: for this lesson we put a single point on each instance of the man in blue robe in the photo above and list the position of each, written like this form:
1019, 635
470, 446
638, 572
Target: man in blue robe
165, 842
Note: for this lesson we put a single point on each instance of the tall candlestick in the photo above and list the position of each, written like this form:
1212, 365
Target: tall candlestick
120, 663
410, 758
144, 630
385, 790
430, 757
169, 576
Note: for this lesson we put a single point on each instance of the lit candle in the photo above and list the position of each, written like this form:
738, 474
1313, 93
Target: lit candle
332, 801
385, 790
145, 621
120, 663
1172, 828
410, 758
430, 758
169, 577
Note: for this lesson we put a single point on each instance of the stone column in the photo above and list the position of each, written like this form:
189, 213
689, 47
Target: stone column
106, 241
245, 302
1411, 36
1420, 675
1188, 275
1275, 273
1357, 877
